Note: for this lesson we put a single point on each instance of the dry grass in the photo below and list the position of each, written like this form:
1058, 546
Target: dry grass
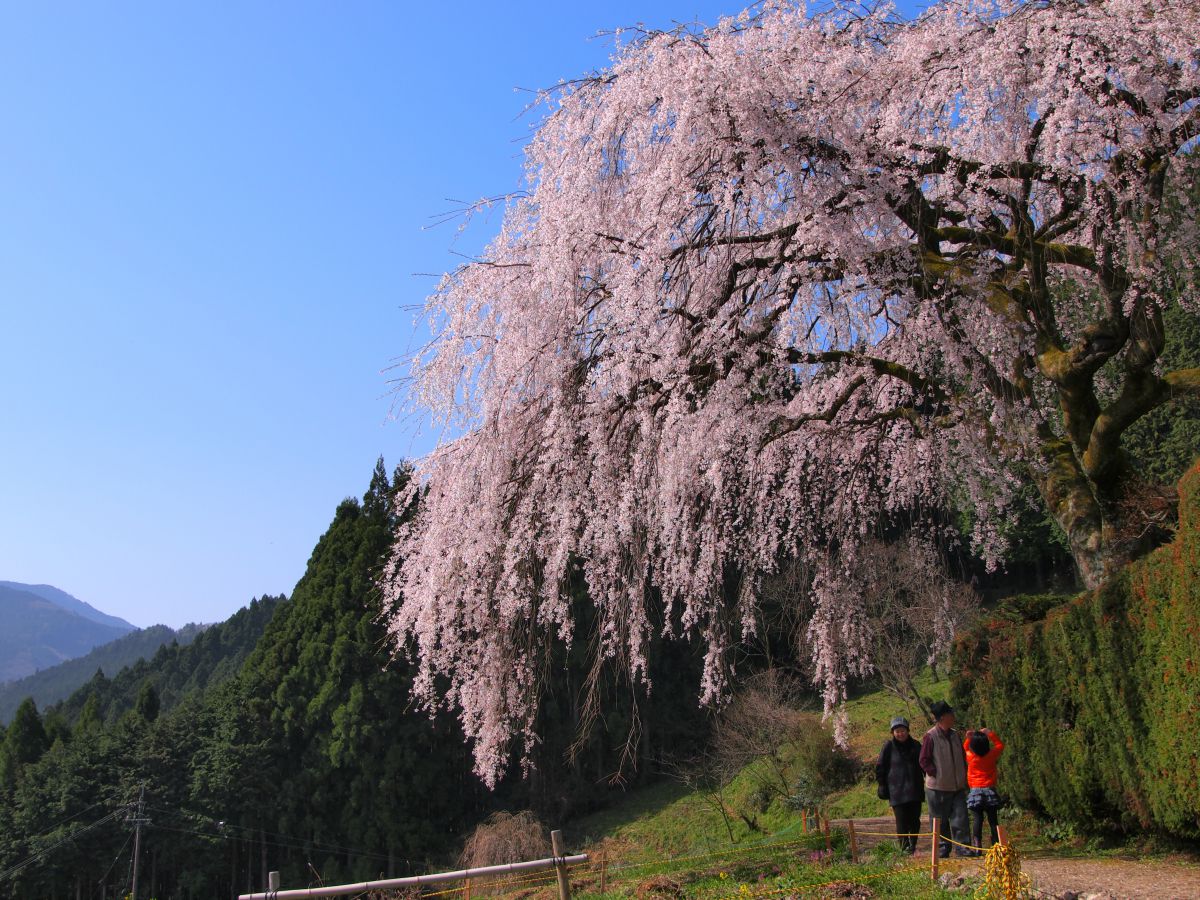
501, 839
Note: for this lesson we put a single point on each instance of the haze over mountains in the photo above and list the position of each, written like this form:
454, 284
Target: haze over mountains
44, 626
70, 603
49, 686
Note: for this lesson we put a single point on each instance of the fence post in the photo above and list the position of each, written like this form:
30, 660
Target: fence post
466, 889
853, 841
1001, 835
273, 882
564, 886
804, 821
825, 828
933, 851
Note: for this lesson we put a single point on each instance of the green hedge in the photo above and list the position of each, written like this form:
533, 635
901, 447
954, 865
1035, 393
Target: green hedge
1097, 697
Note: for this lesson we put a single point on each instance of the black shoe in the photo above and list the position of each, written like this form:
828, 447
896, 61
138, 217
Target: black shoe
944, 854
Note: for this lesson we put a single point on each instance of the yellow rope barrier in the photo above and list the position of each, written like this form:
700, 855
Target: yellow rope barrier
535, 879
818, 884
955, 843
1003, 879
732, 851
894, 834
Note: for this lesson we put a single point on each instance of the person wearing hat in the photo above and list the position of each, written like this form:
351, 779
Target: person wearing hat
945, 766
898, 773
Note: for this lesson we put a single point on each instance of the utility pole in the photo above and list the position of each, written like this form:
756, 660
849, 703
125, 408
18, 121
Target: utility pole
137, 820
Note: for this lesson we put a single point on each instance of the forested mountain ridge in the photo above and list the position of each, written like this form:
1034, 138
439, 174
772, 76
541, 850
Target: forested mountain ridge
70, 603
56, 683
178, 668
38, 633
311, 756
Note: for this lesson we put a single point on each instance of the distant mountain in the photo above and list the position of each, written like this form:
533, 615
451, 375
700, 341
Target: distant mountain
63, 600
59, 682
175, 670
39, 633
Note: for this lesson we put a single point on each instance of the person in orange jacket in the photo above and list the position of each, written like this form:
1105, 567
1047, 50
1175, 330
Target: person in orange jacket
983, 748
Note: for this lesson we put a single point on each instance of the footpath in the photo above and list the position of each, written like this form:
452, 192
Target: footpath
1067, 877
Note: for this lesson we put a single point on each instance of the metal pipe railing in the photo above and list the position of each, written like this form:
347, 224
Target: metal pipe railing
337, 890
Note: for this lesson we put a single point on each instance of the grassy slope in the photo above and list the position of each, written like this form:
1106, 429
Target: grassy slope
870, 714
667, 821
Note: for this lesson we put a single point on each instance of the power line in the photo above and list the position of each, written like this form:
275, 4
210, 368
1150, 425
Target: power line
14, 869
234, 837
302, 843
68, 819
104, 877
316, 845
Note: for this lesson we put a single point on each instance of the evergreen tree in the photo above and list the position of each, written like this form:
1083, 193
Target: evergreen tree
147, 702
26, 738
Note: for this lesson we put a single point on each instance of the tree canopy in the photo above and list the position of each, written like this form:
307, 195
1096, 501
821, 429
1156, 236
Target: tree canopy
774, 282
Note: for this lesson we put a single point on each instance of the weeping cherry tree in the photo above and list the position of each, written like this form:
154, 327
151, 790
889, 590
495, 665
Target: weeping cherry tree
772, 282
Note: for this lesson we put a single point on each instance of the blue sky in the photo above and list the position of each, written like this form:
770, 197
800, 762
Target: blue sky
210, 217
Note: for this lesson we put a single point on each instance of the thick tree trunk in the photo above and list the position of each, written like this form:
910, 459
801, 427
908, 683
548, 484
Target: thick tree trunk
1072, 499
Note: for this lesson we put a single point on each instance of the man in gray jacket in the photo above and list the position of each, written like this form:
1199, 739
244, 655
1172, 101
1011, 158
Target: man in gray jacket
945, 765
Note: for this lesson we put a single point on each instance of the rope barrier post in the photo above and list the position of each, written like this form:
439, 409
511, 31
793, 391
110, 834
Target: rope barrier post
564, 885
466, 889
825, 828
1001, 835
853, 841
804, 821
933, 849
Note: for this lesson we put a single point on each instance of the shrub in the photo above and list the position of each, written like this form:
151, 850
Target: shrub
822, 767
1098, 700
505, 838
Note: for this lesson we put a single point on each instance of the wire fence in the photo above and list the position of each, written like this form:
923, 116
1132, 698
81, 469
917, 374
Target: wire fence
599, 874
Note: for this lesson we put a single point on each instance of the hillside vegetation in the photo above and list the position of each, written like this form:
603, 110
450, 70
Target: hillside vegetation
1100, 694
39, 633
286, 739
59, 682
196, 661
676, 833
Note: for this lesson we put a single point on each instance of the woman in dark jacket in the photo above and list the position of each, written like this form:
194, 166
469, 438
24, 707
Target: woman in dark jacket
901, 782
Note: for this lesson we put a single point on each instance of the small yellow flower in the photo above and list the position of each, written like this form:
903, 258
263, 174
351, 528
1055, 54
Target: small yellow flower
724, 875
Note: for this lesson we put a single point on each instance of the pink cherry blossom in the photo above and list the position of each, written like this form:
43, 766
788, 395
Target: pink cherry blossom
772, 283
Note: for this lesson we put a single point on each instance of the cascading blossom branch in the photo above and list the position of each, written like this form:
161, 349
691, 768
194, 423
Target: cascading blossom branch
772, 283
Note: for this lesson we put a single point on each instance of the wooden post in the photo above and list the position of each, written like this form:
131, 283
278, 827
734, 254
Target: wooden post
564, 886
933, 851
1001, 835
853, 841
603, 872
466, 889
825, 828
804, 821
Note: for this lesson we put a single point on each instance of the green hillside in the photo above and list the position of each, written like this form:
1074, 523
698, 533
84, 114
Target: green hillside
199, 659
301, 750
39, 633
673, 833
59, 682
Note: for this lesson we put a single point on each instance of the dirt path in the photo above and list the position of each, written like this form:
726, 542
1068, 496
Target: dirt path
1058, 876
